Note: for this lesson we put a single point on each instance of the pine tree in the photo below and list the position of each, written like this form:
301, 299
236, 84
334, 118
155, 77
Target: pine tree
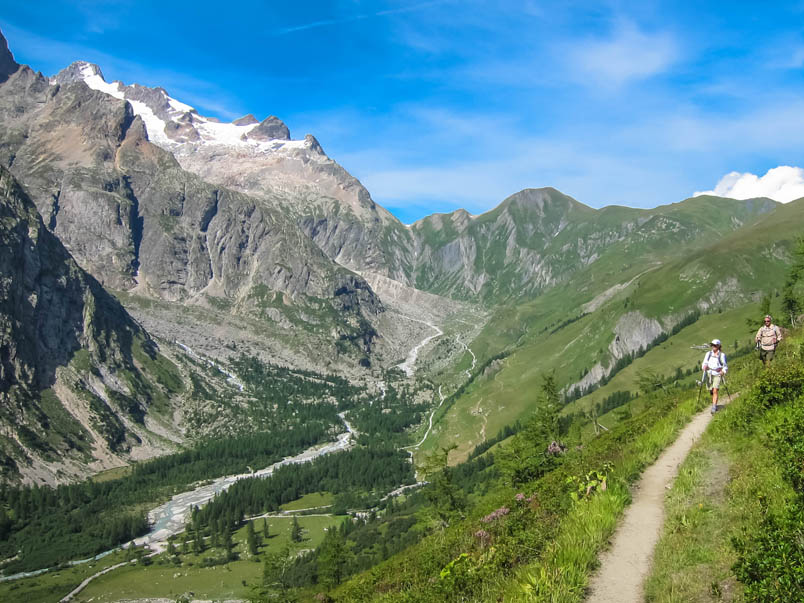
227, 542
334, 559
276, 579
213, 534
295, 530
251, 538
265, 534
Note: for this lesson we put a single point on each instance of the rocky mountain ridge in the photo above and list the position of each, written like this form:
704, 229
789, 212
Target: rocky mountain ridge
532, 241
136, 220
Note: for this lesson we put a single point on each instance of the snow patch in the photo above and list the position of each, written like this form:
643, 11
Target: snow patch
154, 125
211, 131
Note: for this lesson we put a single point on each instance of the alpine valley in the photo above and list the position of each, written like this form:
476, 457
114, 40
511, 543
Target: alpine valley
185, 299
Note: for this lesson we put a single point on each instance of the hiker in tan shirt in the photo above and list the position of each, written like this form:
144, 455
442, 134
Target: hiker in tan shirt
768, 337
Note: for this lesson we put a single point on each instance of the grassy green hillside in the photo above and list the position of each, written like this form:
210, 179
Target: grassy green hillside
538, 238
734, 522
571, 329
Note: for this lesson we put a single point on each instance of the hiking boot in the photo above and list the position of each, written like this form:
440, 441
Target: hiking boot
714, 410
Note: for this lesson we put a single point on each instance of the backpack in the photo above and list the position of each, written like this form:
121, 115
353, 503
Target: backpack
719, 358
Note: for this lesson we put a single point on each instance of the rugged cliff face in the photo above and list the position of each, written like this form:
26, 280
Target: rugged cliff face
261, 160
75, 395
135, 219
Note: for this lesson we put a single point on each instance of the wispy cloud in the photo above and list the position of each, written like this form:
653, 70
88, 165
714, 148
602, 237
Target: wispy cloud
358, 17
628, 54
783, 183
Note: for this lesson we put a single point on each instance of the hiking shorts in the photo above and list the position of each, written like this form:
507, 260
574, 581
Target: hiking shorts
714, 381
766, 355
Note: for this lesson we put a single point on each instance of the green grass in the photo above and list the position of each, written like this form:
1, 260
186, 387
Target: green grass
309, 501
725, 269
112, 474
52, 586
723, 490
728, 326
229, 581
561, 576
509, 391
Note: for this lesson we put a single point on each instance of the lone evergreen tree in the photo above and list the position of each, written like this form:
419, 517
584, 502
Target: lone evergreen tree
251, 538
227, 543
447, 498
276, 582
295, 530
790, 300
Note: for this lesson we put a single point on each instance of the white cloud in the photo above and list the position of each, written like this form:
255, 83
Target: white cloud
628, 54
783, 183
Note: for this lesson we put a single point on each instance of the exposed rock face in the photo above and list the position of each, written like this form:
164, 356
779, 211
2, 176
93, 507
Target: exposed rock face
7, 63
532, 241
632, 332
49, 306
246, 120
271, 128
64, 345
134, 218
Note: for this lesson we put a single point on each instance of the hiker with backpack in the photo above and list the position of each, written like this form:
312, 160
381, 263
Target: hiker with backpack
768, 337
715, 367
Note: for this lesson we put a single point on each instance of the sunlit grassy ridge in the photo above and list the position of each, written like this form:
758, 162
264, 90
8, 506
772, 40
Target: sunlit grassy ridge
718, 274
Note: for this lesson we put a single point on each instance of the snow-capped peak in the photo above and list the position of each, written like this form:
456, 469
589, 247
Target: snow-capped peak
173, 125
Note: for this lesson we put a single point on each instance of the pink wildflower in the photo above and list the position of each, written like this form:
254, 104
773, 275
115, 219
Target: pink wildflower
501, 512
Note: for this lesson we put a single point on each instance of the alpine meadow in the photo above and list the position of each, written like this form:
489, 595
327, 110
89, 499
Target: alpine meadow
227, 373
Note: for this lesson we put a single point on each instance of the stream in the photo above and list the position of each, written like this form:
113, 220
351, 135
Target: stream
409, 366
169, 518
230, 377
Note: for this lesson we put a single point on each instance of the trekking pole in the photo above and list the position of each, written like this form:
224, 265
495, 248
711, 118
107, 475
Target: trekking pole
700, 387
726, 387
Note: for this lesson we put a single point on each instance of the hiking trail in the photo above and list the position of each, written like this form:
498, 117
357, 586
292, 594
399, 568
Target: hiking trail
625, 565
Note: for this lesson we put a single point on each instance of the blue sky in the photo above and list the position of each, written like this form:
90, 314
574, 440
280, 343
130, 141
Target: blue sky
436, 105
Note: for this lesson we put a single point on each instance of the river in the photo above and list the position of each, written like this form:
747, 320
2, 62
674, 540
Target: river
409, 366
169, 519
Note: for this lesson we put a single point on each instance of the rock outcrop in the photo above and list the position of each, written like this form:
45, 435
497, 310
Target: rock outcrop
73, 396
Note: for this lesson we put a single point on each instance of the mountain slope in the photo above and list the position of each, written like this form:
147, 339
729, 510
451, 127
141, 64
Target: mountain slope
616, 306
260, 159
83, 387
138, 222
538, 238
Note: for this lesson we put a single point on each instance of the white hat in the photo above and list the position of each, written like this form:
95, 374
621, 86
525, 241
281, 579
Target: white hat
716, 342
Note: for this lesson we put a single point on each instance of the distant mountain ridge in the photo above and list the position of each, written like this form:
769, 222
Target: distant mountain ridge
247, 240
530, 242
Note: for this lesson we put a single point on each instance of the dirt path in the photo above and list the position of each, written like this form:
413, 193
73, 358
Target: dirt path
84, 584
626, 564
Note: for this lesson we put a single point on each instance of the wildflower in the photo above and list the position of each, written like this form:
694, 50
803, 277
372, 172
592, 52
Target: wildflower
501, 512
520, 497
483, 536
